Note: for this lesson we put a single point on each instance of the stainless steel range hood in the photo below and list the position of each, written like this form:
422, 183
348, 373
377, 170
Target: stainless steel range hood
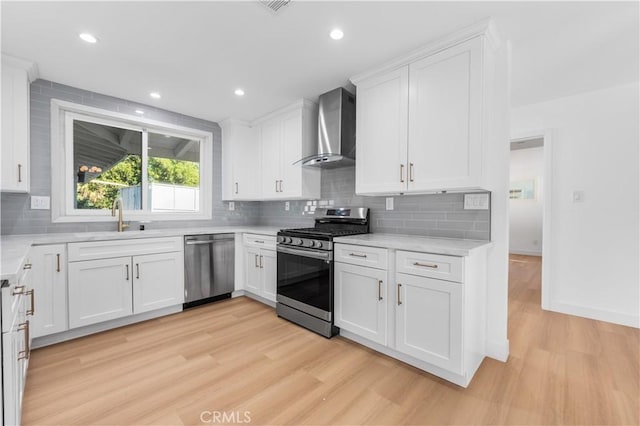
336, 131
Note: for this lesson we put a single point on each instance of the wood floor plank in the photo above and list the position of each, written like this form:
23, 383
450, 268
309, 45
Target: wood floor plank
236, 356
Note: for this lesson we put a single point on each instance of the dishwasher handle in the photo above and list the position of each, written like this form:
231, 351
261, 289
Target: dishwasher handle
194, 243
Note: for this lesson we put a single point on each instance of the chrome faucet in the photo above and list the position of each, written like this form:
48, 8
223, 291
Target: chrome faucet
117, 204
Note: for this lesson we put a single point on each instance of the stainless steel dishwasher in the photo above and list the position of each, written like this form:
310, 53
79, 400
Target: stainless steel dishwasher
209, 262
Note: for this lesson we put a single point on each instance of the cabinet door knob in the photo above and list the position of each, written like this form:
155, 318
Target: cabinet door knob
410, 172
261, 267
399, 301
277, 186
24, 354
379, 289
137, 271
127, 266
19, 172
256, 261
402, 173
236, 187
58, 262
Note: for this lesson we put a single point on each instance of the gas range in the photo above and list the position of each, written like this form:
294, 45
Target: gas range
305, 267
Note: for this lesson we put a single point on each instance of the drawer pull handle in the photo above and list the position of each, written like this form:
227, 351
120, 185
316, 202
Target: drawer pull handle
399, 301
27, 266
17, 290
364, 256
24, 354
58, 262
258, 241
426, 265
32, 300
127, 271
379, 289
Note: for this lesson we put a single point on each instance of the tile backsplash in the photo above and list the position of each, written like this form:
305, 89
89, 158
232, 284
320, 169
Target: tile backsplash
18, 218
438, 215
435, 215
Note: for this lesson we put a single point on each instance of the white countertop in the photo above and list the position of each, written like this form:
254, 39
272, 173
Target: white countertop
449, 246
15, 248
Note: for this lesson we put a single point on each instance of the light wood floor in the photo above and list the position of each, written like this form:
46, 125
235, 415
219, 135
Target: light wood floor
237, 356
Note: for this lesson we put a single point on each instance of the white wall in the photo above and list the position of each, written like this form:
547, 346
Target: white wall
593, 259
525, 216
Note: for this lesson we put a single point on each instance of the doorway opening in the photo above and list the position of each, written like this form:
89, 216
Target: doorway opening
529, 215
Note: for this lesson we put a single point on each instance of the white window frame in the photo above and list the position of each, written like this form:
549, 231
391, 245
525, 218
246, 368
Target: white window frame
62, 168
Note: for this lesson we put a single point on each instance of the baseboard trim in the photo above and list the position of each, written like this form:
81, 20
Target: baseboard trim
595, 314
526, 252
497, 350
74, 333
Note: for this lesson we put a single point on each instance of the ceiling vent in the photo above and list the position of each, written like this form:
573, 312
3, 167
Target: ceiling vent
275, 5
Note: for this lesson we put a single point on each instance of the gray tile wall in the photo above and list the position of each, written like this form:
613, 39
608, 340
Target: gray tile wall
436, 215
17, 217
439, 215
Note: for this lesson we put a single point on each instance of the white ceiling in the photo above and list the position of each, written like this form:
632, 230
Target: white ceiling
196, 53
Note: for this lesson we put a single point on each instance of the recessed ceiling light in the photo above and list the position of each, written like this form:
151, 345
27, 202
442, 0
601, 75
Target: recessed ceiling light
155, 95
89, 38
239, 92
139, 111
336, 34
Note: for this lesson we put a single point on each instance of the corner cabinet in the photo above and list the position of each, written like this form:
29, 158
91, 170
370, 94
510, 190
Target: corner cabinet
242, 179
115, 279
286, 137
260, 158
421, 122
16, 77
50, 286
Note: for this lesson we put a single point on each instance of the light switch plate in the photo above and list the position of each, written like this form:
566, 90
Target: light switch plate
389, 203
232, 205
476, 201
40, 203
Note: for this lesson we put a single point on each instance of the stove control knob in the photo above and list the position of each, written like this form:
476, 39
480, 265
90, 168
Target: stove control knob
298, 241
287, 239
319, 244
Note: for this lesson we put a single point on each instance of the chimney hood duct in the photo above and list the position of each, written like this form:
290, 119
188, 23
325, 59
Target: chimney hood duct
336, 131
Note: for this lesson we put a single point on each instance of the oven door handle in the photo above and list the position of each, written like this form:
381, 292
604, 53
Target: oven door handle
328, 256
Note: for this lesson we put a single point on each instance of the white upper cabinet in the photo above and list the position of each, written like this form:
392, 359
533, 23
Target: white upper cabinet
241, 163
381, 132
445, 125
287, 136
16, 76
421, 120
258, 157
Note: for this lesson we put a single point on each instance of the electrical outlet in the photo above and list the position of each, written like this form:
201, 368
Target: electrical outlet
287, 206
478, 201
40, 203
389, 203
577, 196
232, 205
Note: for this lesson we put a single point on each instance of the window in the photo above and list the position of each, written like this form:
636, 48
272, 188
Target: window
160, 171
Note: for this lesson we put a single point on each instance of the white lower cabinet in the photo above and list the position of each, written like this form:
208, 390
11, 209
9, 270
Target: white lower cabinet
360, 301
260, 272
104, 284
156, 282
49, 284
99, 290
434, 324
16, 343
429, 320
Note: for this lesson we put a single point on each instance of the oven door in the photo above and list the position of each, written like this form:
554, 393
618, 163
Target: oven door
305, 281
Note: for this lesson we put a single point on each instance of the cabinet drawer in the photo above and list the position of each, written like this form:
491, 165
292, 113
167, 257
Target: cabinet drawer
257, 240
431, 265
117, 248
372, 257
